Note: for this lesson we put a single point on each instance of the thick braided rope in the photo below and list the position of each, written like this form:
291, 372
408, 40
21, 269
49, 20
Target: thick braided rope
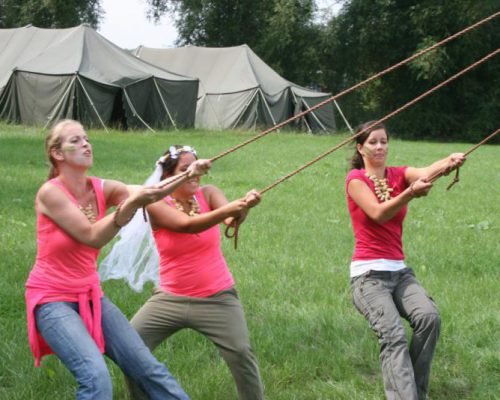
482, 142
357, 86
390, 115
445, 171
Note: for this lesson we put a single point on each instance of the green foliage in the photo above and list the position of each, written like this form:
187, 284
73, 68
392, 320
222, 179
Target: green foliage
291, 267
369, 36
49, 13
282, 32
291, 40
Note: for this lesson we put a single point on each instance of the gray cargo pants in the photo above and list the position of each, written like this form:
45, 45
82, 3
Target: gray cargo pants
219, 317
382, 297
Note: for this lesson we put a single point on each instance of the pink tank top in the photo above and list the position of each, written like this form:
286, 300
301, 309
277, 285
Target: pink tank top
192, 264
64, 270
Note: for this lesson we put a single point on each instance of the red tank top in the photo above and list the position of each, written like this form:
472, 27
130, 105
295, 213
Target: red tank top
374, 240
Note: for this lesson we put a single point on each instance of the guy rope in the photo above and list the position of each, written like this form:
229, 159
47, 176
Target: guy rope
340, 94
358, 85
234, 234
446, 171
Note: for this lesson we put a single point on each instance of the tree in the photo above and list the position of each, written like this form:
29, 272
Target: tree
369, 36
282, 32
49, 13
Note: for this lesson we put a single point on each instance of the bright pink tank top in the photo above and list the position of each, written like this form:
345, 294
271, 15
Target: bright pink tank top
192, 264
64, 270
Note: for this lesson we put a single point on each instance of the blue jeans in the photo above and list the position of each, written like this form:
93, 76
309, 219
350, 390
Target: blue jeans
62, 328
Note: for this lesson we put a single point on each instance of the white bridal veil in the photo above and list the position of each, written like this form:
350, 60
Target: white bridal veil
134, 256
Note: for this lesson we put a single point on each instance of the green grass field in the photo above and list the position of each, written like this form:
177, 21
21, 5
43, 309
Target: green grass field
291, 267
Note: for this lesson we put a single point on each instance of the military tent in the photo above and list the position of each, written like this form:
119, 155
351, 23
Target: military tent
238, 89
50, 74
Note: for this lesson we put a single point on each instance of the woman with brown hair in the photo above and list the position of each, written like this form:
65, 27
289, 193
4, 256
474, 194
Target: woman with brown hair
196, 288
383, 286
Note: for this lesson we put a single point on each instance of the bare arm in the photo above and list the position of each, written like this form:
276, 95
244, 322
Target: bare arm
164, 216
446, 164
362, 195
252, 198
54, 203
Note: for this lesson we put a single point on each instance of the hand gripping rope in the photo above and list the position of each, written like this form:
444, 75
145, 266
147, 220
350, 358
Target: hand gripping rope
446, 170
358, 85
335, 97
388, 116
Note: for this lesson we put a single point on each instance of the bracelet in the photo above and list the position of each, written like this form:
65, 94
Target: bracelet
115, 216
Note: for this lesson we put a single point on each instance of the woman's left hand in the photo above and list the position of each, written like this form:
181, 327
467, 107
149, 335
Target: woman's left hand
456, 160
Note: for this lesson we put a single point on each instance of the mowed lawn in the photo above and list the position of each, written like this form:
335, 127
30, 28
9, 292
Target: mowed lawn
291, 267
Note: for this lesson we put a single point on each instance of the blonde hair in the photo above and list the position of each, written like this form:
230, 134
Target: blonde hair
54, 141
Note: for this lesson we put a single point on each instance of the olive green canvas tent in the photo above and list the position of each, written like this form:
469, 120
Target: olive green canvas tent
50, 74
238, 89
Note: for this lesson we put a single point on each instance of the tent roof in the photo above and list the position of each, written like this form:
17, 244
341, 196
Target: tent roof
222, 70
73, 50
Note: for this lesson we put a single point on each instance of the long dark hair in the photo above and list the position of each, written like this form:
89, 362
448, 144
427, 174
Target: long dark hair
357, 160
171, 158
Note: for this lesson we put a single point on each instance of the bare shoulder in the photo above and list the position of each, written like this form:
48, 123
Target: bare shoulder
210, 189
51, 199
211, 193
49, 193
114, 192
111, 186
412, 174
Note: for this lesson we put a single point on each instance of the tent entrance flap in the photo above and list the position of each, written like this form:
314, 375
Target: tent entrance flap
76, 73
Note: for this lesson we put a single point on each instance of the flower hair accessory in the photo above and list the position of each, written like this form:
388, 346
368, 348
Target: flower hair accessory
174, 152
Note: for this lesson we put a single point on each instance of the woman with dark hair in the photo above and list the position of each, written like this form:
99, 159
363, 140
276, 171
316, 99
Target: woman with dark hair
66, 310
196, 287
383, 286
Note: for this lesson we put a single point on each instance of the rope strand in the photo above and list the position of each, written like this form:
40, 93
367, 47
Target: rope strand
444, 171
357, 86
390, 115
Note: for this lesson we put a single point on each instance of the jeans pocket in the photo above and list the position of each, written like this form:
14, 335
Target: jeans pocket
54, 310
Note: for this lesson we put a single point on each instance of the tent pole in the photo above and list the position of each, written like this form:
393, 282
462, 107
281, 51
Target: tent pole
91, 102
314, 115
267, 106
246, 106
135, 111
51, 117
343, 116
207, 96
304, 118
164, 105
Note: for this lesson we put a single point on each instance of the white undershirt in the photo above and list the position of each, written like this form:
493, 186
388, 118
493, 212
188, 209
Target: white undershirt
360, 267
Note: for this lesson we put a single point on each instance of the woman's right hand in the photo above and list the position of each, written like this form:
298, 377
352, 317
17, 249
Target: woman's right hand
420, 187
236, 208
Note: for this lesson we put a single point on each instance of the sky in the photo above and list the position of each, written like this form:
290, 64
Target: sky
125, 24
